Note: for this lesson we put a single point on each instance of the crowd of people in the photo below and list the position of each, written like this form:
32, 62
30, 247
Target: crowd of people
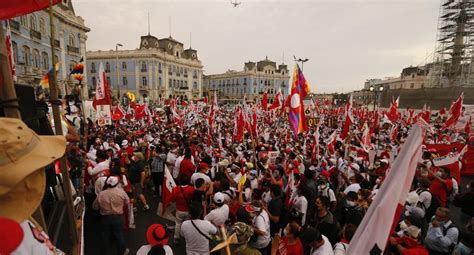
276, 193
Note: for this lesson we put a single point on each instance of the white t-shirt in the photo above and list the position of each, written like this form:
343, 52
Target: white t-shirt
325, 249
329, 193
425, 198
262, 223
146, 248
197, 244
353, 187
219, 215
99, 168
301, 203
198, 175
266, 197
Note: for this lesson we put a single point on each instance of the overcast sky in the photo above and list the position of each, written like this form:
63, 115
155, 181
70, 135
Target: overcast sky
346, 41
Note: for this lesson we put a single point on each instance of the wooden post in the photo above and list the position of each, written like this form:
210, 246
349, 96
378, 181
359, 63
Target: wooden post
7, 93
58, 130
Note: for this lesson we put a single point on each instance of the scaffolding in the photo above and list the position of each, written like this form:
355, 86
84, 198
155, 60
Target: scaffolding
454, 52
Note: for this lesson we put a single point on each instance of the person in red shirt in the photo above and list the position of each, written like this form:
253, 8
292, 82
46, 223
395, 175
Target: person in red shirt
291, 242
187, 167
410, 243
182, 195
441, 185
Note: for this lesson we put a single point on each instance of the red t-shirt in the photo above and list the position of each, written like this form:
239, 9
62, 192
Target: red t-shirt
182, 195
440, 190
187, 168
293, 249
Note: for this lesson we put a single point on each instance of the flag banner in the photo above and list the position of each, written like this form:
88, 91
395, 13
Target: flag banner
11, 59
372, 234
455, 112
104, 115
10, 9
451, 161
168, 185
299, 89
444, 149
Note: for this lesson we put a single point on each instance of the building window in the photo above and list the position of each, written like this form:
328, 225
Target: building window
93, 67
36, 58
108, 82
413, 76
159, 81
26, 55
143, 67
107, 67
71, 41
170, 83
44, 57
144, 81
94, 81
42, 26
412, 85
124, 81
15, 51
24, 21
33, 22
124, 65
174, 83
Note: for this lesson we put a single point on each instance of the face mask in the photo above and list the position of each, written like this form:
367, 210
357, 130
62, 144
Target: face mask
403, 225
322, 186
439, 174
285, 231
350, 203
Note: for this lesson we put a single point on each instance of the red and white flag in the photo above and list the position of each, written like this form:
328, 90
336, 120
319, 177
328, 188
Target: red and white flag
451, 161
8, 42
365, 142
393, 113
277, 101
454, 113
349, 119
265, 101
168, 185
373, 232
102, 92
315, 150
10, 9
394, 133
118, 113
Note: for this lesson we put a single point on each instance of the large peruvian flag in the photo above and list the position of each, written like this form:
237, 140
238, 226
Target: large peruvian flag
168, 185
451, 161
372, 234
14, 8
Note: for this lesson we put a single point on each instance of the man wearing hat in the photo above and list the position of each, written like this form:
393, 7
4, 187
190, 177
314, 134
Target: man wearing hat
23, 156
110, 204
220, 214
157, 239
202, 174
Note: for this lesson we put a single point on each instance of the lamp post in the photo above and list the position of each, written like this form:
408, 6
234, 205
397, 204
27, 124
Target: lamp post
117, 69
376, 90
302, 62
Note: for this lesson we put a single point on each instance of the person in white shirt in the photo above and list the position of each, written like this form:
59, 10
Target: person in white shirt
424, 194
202, 174
196, 232
301, 203
354, 185
102, 165
261, 226
171, 159
157, 239
219, 215
319, 244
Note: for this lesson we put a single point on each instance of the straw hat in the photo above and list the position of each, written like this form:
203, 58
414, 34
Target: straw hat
22, 154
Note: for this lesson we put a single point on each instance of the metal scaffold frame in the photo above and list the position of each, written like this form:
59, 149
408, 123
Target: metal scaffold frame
454, 51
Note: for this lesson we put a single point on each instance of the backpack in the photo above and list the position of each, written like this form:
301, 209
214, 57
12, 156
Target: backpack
431, 210
445, 231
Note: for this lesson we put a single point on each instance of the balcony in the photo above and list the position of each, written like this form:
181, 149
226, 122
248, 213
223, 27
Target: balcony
184, 88
195, 76
170, 73
35, 35
185, 76
159, 71
57, 44
15, 25
143, 70
143, 87
72, 49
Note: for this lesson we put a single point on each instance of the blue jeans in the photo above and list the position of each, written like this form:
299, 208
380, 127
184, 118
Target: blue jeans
113, 225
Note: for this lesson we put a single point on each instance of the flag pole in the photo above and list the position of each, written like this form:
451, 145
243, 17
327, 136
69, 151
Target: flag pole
55, 103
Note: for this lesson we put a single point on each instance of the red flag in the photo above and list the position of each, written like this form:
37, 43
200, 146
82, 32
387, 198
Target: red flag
102, 92
168, 185
265, 101
239, 125
373, 232
11, 9
140, 112
467, 128
118, 113
375, 124
393, 114
349, 119
366, 142
277, 100
442, 111
455, 112
394, 133
8, 42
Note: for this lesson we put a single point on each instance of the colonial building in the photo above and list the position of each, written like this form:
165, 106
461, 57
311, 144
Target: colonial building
252, 81
159, 68
32, 48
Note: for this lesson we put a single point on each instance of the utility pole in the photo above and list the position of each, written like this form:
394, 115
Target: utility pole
55, 103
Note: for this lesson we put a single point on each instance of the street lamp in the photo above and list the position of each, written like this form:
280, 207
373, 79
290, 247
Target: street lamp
117, 69
302, 62
376, 90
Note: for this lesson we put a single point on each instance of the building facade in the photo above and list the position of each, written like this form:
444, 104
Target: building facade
251, 82
159, 68
32, 48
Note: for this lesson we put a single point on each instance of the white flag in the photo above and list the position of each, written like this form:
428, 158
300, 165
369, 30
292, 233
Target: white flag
372, 234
